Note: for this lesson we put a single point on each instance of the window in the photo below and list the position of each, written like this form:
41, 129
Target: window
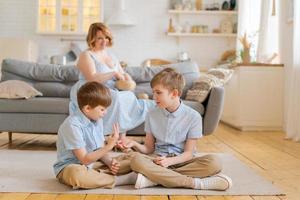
68, 16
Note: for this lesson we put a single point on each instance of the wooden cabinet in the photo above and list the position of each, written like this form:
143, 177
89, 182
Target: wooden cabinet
254, 98
68, 16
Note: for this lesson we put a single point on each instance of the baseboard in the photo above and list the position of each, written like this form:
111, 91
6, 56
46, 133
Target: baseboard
254, 128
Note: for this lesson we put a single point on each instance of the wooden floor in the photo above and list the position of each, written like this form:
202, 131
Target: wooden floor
268, 153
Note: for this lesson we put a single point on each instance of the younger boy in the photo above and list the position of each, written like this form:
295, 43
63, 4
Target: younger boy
172, 130
82, 159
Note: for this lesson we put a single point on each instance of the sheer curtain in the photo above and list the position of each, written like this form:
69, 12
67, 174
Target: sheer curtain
248, 22
268, 40
293, 115
259, 19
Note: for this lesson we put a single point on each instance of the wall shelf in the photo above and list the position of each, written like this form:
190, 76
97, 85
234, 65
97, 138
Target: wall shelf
204, 12
202, 34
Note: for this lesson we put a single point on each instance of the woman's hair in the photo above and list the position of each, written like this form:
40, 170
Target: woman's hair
94, 28
169, 79
93, 94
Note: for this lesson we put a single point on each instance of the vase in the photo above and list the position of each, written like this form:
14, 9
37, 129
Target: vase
246, 55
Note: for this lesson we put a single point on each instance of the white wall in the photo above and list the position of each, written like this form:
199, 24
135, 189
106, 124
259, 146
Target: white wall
132, 44
285, 50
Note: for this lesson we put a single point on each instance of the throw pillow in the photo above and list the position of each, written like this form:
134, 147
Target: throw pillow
216, 77
223, 74
15, 89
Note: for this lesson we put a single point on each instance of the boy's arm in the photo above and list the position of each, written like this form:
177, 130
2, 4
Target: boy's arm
146, 148
185, 156
106, 159
86, 158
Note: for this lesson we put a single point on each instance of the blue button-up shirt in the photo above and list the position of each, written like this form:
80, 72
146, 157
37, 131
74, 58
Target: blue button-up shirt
171, 130
77, 131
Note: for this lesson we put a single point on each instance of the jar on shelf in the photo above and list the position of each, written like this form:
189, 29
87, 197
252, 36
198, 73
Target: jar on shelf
198, 4
188, 5
186, 27
176, 4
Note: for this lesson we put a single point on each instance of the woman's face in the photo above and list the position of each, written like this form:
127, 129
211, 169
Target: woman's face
101, 41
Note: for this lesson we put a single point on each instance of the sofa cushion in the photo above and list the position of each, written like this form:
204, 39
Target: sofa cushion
53, 89
51, 80
189, 69
143, 88
143, 75
35, 105
39, 72
15, 89
196, 106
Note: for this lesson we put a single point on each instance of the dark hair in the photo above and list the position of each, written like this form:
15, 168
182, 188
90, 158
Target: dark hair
92, 33
93, 94
169, 79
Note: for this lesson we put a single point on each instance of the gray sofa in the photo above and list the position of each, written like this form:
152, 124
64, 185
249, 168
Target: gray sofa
45, 114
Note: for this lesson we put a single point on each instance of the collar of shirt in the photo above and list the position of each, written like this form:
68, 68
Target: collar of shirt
174, 114
84, 120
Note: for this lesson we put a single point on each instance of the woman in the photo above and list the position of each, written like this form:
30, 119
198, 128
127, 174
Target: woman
97, 64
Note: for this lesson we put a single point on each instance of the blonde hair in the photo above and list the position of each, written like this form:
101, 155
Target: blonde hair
169, 79
92, 33
93, 94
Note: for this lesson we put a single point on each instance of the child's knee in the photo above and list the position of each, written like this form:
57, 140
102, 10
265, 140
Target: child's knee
215, 164
137, 161
72, 175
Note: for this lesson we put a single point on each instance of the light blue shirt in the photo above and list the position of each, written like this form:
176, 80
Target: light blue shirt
125, 108
171, 130
76, 132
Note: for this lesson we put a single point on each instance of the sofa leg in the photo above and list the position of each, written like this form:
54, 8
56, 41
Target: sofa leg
10, 137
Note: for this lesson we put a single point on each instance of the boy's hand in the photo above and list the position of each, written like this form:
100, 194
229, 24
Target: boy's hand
122, 141
163, 161
129, 143
114, 166
112, 140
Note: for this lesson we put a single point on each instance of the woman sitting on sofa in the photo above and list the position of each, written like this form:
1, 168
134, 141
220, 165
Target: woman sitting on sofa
97, 64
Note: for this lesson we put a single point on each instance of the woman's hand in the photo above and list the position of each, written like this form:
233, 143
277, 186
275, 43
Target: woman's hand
119, 76
127, 77
114, 166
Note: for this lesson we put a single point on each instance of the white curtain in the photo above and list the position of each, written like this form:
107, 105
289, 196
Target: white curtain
293, 115
268, 41
248, 22
261, 25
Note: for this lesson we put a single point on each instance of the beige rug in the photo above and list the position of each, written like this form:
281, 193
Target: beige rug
31, 171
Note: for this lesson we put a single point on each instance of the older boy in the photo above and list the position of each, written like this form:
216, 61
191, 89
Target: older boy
172, 130
82, 159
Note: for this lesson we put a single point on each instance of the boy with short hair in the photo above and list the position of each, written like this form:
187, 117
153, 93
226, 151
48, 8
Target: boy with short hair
82, 156
172, 130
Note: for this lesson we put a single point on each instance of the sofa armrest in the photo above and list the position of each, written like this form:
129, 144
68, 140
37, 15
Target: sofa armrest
213, 110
